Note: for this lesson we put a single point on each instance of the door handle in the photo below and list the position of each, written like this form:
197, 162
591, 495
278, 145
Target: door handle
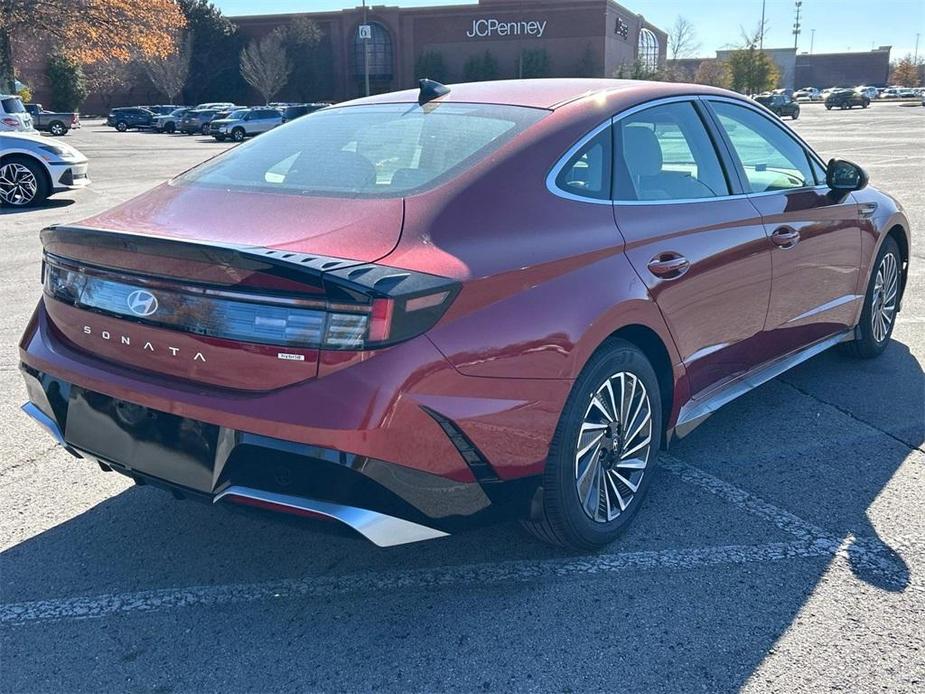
785, 237
669, 266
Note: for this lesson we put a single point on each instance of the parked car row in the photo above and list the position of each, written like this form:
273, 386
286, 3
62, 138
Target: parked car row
222, 120
870, 92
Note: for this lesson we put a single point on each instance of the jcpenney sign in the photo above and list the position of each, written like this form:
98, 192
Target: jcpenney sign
486, 28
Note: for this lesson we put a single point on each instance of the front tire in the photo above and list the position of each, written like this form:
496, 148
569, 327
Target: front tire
121, 126
603, 452
23, 182
170, 128
878, 317
238, 134
796, 114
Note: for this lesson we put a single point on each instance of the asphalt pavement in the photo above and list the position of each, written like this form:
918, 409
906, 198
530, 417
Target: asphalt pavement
781, 548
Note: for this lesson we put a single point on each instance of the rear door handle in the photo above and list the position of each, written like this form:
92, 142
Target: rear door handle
669, 265
785, 237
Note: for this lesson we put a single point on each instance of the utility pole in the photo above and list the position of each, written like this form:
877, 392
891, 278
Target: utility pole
796, 25
812, 40
366, 51
761, 28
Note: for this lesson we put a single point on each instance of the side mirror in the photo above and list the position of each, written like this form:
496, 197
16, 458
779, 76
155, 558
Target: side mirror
845, 176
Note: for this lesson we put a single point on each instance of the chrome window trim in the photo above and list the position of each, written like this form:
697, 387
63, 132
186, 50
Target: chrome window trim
565, 158
610, 122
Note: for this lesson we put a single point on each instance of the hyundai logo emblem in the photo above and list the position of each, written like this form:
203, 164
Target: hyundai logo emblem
142, 302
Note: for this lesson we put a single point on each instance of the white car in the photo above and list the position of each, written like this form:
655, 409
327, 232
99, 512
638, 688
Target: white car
869, 92
807, 94
244, 123
13, 115
33, 167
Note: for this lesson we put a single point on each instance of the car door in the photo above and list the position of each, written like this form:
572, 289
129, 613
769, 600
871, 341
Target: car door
815, 234
693, 237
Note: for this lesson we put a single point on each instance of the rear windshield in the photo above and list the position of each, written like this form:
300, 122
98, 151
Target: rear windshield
366, 151
12, 106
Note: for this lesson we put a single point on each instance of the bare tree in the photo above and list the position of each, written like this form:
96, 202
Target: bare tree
169, 73
682, 39
107, 77
265, 65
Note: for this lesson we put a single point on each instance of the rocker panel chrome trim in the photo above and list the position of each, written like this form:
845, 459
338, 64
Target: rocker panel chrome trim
695, 412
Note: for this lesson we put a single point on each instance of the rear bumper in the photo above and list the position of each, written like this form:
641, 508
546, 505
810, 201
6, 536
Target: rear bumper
402, 434
386, 503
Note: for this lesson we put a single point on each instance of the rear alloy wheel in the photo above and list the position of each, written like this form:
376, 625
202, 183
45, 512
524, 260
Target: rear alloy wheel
121, 126
878, 317
601, 457
238, 134
22, 183
57, 128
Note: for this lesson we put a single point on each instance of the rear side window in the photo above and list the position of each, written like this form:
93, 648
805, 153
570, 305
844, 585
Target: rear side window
12, 106
366, 151
588, 173
771, 158
665, 153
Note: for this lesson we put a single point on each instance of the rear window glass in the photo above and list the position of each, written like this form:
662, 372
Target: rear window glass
366, 151
12, 106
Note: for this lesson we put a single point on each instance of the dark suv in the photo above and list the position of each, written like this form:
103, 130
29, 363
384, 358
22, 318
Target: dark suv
197, 121
780, 105
295, 111
845, 98
129, 117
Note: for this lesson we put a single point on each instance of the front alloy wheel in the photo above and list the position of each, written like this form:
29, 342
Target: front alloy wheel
881, 303
602, 453
20, 184
886, 290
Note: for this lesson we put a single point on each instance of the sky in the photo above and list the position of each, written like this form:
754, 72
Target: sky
841, 25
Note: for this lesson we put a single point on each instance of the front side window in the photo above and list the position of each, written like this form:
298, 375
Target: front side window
772, 159
366, 151
587, 173
665, 153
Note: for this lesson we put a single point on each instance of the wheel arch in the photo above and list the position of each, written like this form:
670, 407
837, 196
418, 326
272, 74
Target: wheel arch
656, 351
18, 154
898, 233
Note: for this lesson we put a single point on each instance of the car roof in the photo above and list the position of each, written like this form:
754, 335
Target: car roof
546, 93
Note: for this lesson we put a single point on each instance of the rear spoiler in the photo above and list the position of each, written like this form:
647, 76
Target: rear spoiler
340, 278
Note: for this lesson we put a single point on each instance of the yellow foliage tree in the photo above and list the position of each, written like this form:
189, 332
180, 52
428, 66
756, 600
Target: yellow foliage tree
90, 30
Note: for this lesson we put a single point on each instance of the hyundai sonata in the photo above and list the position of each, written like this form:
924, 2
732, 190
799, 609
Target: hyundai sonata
423, 310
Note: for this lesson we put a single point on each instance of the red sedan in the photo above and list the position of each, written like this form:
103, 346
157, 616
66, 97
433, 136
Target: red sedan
433, 308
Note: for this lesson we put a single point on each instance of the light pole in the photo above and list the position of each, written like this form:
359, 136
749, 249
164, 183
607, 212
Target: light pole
915, 60
796, 25
812, 40
365, 51
761, 28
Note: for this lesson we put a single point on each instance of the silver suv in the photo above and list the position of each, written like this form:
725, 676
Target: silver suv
13, 115
245, 122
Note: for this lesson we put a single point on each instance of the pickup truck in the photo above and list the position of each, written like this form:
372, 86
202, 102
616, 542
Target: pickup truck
51, 121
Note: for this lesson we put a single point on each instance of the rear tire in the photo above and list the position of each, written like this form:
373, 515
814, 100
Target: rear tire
57, 128
600, 461
170, 128
796, 114
878, 317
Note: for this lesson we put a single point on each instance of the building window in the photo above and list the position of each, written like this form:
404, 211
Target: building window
380, 53
648, 50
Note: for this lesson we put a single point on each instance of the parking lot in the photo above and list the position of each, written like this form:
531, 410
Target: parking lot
781, 548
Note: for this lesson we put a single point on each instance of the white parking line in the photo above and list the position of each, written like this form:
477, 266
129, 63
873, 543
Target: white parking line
811, 542
371, 582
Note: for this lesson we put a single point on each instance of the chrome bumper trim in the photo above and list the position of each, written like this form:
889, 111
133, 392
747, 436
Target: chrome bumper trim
378, 528
49, 425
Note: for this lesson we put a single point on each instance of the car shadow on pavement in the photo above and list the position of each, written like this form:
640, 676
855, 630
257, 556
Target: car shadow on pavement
822, 443
50, 204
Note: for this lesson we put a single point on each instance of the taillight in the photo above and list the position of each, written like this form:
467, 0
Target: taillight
12, 122
366, 308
